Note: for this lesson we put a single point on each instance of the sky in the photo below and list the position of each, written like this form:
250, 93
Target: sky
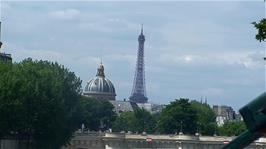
193, 49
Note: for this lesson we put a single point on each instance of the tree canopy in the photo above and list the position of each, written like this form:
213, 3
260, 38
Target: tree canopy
261, 27
97, 114
187, 116
124, 122
145, 121
178, 116
206, 123
39, 102
138, 121
232, 128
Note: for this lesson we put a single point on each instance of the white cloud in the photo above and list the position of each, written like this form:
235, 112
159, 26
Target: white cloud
128, 58
123, 84
21, 53
152, 87
4, 7
216, 92
43, 54
67, 14
89, 61
250, 60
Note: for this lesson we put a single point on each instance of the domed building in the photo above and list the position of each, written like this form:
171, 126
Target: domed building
100, 87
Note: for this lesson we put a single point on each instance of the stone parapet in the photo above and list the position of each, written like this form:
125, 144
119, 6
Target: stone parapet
141, 141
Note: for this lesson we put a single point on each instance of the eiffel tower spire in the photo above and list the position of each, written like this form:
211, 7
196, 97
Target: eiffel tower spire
0, 36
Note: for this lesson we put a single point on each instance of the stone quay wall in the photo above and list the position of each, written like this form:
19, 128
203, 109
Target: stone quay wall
146, 141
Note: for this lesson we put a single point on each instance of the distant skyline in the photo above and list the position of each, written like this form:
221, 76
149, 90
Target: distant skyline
193, 49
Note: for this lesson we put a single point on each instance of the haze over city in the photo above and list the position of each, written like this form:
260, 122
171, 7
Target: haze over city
193, 49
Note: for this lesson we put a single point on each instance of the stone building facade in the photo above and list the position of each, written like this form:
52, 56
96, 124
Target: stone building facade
5, 58
224, 114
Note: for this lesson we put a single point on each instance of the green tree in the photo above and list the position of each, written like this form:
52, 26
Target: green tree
39, 102
145, 122
176, 116
232, 128
97, 114
206, 118
261, 27
138, 121
126, 121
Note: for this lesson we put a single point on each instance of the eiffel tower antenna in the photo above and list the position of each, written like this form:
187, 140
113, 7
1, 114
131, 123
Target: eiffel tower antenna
0, 36
0, 30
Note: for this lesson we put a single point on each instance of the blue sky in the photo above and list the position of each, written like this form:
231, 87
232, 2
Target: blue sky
193, 49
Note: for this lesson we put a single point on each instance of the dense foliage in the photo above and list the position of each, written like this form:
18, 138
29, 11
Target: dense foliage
125, 122
190, 116
178, 116
97, 114
39, 102
232, 128
206, 123
261, 27
138, 121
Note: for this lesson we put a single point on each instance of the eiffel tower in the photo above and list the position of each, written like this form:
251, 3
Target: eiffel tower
138, 94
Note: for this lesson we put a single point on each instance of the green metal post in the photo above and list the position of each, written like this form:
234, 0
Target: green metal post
243, 140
